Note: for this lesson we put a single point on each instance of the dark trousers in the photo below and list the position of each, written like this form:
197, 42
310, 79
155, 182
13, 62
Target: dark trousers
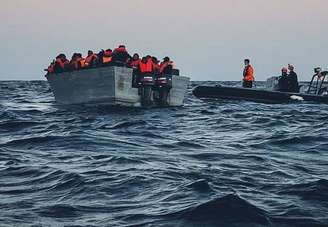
247, 84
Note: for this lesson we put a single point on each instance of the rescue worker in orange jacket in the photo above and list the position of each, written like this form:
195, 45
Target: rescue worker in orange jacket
248, 75
135, 61
166, 66
91, 59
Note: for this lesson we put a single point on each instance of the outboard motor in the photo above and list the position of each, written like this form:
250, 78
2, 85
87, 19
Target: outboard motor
146, 83
163, 85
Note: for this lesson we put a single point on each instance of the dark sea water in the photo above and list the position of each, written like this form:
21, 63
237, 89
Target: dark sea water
209, 163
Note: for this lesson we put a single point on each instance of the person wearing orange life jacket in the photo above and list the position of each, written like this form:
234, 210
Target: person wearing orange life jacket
120, 56
135, 61
80, 61
91, 59
50, 68
61, 63
248, 74
146, 65
156, 66
107, 56
166, 66
72, 63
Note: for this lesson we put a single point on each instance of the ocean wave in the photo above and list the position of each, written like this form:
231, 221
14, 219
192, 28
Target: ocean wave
227, 209
85, 165
316, 190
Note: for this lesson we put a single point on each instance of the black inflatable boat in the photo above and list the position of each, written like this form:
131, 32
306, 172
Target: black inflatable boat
316, 92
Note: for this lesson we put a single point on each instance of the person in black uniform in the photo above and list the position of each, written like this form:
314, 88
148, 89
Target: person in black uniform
293, 85
283, 80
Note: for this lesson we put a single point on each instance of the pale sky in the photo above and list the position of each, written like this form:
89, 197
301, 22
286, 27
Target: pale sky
207, 39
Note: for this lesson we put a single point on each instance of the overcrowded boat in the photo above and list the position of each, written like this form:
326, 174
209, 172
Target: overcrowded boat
116, 78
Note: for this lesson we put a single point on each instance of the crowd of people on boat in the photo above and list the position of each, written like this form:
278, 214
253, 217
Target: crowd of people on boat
117, 57
287, 81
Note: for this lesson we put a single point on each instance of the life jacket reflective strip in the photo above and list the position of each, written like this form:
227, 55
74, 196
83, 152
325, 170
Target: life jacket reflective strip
107, 59
90, 59
249, 73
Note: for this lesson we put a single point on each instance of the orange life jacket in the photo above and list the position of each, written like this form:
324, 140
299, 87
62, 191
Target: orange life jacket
149, 65
107, 59
146, 67
51, 68
156, 67
82, 62
135, 63
60, 62
120, 49
248, 73
89, 59
79, 63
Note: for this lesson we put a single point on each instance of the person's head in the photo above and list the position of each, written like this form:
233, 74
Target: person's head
148, 57
109, 51
90, 52
144, 59
317, 70
79, 55
246, 62
74, 56
154, 59
284, 71
135, 56
121, 46
290, 67
166, 59
60, 56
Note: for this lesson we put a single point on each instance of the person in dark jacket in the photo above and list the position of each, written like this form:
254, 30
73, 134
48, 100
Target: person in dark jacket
120, 56
293, 85
283, 80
